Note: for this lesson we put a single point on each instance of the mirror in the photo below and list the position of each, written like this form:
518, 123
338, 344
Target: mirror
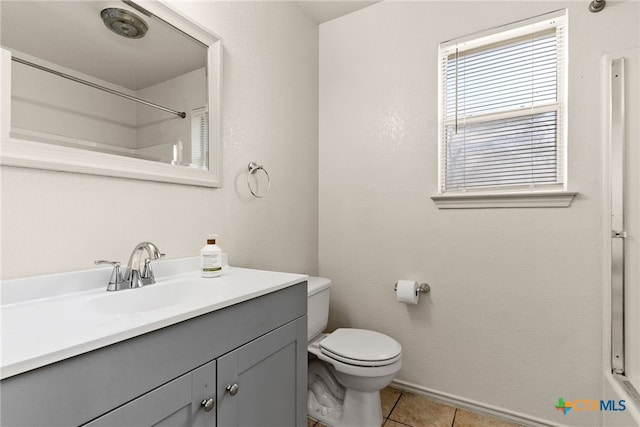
121, 89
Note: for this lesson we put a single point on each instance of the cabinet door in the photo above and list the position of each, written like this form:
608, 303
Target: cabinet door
269, 376
175, 404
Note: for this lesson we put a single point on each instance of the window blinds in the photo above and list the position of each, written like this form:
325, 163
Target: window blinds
502, 109
200, 137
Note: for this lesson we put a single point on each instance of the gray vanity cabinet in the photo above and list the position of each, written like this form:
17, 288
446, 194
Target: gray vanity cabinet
257, 386
162, 377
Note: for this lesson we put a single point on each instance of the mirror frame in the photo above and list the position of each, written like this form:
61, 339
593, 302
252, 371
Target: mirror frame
37, 155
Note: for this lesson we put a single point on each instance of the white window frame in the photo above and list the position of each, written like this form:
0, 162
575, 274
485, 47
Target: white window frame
522, 195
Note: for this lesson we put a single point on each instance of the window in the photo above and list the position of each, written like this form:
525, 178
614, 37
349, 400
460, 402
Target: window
502, 109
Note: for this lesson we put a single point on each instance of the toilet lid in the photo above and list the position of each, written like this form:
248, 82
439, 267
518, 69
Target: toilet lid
361, 347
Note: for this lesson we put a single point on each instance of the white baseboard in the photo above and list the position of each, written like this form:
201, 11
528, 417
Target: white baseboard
473, 405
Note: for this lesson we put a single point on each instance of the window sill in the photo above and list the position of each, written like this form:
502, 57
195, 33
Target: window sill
556, 199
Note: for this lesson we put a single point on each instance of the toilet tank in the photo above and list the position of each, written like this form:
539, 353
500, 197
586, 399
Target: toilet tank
317, 305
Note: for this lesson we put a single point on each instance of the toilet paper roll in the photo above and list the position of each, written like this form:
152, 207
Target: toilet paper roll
407, 292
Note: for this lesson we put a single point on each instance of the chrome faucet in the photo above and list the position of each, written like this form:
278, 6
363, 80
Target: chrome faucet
137, 273
132, 274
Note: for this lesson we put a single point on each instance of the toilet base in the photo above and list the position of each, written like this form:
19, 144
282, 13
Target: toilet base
336, 406
360, 409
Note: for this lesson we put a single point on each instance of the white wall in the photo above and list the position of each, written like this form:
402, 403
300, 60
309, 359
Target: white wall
513, 320
54, 222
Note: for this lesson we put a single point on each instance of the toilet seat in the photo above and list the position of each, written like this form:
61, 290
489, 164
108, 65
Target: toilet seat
360, 347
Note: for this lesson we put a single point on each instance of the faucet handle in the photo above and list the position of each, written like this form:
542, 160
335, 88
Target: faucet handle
147, 271
115, 281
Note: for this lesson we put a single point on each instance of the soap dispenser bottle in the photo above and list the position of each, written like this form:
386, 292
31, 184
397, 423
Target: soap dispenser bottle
211, 258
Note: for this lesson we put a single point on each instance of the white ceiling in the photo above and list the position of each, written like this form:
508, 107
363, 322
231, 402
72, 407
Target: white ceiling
323, 11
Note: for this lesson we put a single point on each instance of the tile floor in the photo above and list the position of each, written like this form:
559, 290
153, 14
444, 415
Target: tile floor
402, 409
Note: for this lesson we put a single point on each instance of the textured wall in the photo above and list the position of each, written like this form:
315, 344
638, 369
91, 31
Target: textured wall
514, 317
53, 222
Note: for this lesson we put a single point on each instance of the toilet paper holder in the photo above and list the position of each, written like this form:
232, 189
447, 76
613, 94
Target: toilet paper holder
423, 288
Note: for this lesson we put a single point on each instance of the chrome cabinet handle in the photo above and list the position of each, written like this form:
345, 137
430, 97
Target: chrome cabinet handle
208, 404
233, 389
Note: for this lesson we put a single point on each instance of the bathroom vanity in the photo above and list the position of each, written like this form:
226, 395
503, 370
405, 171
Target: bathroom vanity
231, 353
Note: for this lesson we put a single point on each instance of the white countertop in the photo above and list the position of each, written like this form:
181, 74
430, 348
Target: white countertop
39, 331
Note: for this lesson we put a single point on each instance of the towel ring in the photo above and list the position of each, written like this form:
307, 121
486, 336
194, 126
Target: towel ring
253, 168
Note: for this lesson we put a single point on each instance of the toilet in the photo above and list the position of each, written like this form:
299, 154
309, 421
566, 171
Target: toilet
347, 368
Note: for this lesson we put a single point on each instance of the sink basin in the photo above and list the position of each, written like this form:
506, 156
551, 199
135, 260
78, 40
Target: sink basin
147, 298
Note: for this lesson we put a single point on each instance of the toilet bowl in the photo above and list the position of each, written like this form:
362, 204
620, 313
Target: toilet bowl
347, 368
